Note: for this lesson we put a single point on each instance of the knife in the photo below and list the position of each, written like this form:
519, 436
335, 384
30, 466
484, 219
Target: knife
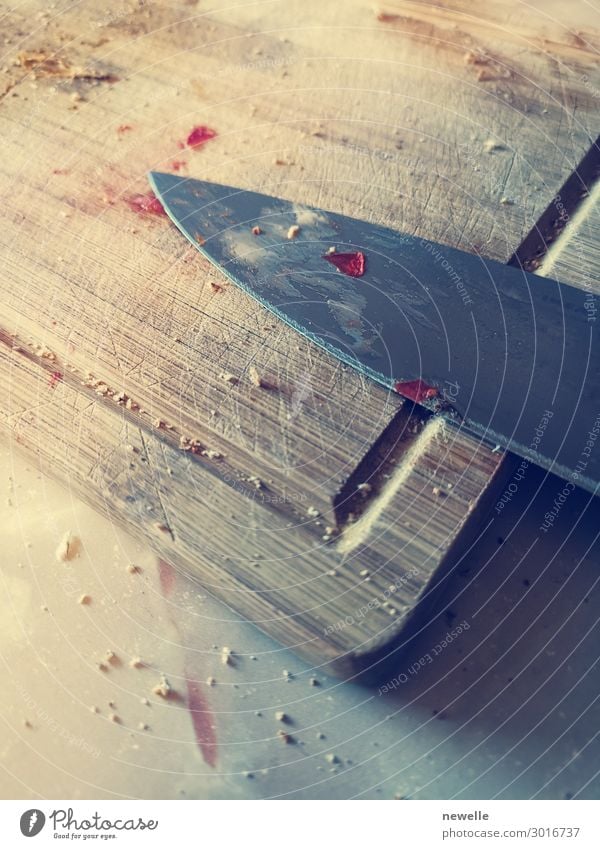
509, 356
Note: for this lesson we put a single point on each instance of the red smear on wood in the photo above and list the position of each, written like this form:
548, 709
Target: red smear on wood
178, 164
199, 136
167, 577
124, 128
202, 721
416, 390
145, 203
55, 378
351, 264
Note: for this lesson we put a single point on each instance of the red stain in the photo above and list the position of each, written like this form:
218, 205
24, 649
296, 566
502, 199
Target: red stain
167, 577
55, 378
124, 128
202, 721
199, 136
416, 390
145, 204
351, 264
178, 164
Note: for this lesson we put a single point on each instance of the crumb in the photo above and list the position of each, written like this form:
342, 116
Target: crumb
254, 376
332, 759
248, 774
163, 688
44, 608
293, 231
364, 573
212, 454
27, 723
313, 512
228, 377
256, 231
280, 716
102, 667
145, 701
136, 663
111, 657
164, 529
133, 569
258, 484
143, 726
95, 709
68, 548
364, 488
211, 681
285, 737
437, 491
84, 599
505, 201
114, 718
320, 735
314, 682
227, 656
158, 423
490, 145
287, 675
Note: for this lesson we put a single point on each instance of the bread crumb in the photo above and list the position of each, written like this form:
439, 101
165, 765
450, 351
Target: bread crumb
84, 599
163, 688
293, 231
254, 376
68, 548
227, 656
285, 737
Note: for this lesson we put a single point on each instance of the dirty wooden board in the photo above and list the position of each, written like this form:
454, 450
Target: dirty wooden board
388, 116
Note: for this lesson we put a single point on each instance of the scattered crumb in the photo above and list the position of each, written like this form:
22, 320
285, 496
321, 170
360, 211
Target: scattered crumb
163, 688
491, 145
136, 663
280, 716
312, 512
256, 231
254, 376
84, 599
227, 656
211, 681
285, 737
293, 231
332, 759
228, 377
68, 548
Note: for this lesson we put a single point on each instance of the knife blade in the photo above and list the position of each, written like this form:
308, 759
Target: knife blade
510, 356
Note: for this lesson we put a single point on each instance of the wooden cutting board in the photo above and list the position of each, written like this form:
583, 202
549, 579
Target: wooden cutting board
315, 504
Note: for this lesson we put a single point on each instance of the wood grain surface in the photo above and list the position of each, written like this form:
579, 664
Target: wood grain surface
126, 359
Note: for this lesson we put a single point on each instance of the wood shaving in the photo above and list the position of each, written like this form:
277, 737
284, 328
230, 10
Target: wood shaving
68, 548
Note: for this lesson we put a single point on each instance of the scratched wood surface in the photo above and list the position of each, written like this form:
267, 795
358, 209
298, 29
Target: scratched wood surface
116, 335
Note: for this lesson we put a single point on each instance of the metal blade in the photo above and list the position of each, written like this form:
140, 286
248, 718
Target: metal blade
512, 356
